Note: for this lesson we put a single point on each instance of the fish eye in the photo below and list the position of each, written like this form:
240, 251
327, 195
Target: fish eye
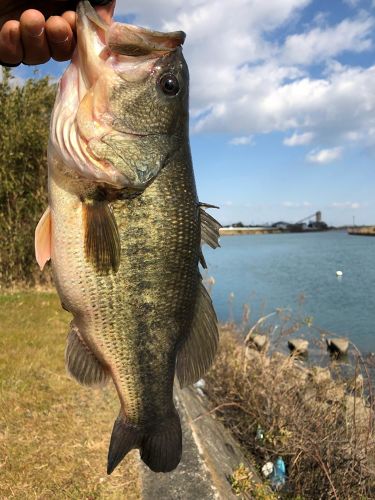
169, 84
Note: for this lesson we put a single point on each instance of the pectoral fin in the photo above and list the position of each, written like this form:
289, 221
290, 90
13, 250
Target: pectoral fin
43, 239
102, 239
197, 353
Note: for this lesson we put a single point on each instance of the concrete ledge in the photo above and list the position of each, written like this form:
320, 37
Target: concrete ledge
210, 455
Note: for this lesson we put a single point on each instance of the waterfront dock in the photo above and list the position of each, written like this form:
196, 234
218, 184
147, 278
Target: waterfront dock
230, 231
362, 230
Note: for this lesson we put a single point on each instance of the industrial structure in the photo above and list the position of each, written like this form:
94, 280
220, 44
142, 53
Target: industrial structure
315, 224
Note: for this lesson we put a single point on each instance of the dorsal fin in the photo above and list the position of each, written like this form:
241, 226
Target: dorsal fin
209, 228
198, 351
202, 260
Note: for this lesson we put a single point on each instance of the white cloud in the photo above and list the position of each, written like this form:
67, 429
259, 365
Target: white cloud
323, 156
321, 43
353, 136
195, 15
346, 204
293, 204
298, 139
352, 3
244, 82
241, 141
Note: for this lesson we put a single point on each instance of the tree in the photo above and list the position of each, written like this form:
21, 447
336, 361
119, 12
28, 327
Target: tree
24, 125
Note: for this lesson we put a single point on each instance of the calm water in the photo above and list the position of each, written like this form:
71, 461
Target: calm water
270, 271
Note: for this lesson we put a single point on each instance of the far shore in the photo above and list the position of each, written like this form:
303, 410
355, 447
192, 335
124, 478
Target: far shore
232, 231
352, 230
228, 231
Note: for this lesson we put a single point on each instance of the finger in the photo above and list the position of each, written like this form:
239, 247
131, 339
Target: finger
12, 9
60, 38
70, 17
34, 40
11, 50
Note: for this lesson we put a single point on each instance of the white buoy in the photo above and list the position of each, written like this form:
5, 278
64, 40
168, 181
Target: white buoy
339, 273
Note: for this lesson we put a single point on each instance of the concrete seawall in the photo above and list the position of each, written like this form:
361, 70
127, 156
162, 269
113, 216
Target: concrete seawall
362, 231
210, 455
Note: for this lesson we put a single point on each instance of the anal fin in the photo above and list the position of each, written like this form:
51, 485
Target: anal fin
81, 363
43, 239
102, 239
198, 351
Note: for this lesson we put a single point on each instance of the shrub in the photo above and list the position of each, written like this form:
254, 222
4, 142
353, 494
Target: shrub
321, 426
24, 124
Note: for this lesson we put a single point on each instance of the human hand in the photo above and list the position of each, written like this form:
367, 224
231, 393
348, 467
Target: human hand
34, 35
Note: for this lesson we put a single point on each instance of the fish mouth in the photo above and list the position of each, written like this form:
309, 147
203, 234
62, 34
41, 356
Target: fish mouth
92, 50
116, 44
108, 54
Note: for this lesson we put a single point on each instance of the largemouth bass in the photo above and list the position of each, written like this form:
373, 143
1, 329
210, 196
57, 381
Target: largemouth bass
123, 230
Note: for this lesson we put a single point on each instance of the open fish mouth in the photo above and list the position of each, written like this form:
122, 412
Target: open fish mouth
108, 54
98, 41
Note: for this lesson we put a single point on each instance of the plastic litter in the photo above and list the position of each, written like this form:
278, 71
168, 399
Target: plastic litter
267, 469
260, 434
199, 386
278, 477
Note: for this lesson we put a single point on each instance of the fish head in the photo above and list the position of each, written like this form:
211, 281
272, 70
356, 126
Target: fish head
122, 106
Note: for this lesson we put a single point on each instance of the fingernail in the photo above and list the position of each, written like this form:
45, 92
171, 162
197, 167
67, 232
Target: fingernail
35, 31
58, 39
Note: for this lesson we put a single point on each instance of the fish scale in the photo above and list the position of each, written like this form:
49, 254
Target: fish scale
164, 221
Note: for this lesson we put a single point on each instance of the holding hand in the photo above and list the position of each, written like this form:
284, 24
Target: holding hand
34, 35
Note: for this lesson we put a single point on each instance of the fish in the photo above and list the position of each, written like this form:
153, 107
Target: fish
124, 230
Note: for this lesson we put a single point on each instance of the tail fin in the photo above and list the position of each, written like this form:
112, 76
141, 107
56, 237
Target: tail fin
160, 444
162, 447
124, 438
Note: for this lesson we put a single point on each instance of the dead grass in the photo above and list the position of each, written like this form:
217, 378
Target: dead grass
54, 433
322, 427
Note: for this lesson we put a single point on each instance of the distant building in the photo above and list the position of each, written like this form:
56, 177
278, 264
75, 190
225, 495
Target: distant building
318, 225
281, 225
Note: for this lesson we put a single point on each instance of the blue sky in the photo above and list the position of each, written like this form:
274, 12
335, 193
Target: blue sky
282, 104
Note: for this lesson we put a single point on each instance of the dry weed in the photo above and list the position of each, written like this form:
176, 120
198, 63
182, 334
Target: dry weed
323, 428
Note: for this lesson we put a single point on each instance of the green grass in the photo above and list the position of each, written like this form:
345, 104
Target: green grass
54, 433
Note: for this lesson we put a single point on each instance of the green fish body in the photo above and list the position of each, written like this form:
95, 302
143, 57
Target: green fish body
124, 231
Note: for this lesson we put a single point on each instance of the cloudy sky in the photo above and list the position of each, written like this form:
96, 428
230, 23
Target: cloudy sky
282, 103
